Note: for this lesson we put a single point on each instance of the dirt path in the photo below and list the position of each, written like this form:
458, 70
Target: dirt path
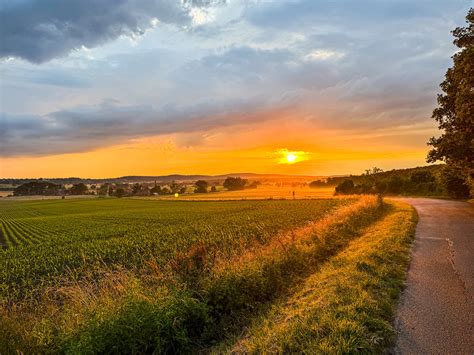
436, 312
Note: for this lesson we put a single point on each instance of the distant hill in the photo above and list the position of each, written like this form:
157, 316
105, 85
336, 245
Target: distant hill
164, 178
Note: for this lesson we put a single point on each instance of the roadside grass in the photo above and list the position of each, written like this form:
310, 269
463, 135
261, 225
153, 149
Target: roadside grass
187, 306
348, 305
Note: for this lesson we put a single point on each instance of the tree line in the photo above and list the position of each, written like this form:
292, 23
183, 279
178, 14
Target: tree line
47, 188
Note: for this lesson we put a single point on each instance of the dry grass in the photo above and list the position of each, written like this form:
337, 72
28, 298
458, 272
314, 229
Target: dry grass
346, 307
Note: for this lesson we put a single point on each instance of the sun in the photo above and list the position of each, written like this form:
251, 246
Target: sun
291, 158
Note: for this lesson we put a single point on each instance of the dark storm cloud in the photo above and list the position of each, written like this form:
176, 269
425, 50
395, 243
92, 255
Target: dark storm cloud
39, 30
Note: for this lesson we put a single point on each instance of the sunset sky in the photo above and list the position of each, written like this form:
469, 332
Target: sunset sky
105, 88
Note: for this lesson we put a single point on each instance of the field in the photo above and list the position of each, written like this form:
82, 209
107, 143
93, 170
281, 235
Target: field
264, 191
142, 275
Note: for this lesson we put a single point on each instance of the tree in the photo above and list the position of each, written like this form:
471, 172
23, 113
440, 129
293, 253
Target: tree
175, 187
234, 183
213, 189
455, 111
120, 192
136, 188
165, 191
156, 190
422, 176
104, 189
78, 189
39, 187
201, 186
395, 184
345, 187
454, 183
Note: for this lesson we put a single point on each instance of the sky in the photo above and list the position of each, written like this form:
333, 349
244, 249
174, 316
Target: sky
105, 88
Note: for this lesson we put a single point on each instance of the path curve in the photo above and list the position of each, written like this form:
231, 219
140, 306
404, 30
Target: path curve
436, 310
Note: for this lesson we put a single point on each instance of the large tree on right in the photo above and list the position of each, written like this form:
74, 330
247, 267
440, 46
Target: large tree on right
455, 111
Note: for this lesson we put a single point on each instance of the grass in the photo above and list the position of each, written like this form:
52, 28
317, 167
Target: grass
348, 305
203, 298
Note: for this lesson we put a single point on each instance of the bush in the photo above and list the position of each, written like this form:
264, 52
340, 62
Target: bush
395, 184
422, 176
455, 182
345, 187
201, 186
233, 184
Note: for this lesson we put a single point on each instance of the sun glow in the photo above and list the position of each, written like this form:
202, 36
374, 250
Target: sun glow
291, 157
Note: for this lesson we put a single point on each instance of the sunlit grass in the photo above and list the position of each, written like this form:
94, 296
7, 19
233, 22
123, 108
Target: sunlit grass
346, 307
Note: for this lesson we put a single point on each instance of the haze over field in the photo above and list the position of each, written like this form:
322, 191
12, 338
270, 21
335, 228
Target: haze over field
100, 89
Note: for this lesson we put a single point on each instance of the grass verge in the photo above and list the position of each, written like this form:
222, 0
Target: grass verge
347, 306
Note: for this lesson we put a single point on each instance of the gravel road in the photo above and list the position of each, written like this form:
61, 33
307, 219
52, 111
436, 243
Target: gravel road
436, 311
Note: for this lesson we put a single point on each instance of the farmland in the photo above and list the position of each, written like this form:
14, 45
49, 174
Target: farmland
43, 238
135, 275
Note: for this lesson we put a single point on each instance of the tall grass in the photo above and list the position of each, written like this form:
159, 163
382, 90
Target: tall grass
346, 307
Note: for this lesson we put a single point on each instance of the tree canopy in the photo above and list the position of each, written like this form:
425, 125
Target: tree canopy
201, 186
455, 111
234, 183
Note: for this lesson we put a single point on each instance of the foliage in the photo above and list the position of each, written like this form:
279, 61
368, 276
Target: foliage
156, 190
38, 188
78, 189
120, 192
234, 183
426, 181
455, 182
253, 185
455, 111
201, 186
345, 187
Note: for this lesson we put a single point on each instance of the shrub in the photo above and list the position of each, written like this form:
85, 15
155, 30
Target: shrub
395, 184
234, 183
201, 186
345, 187
422, 176
455, 182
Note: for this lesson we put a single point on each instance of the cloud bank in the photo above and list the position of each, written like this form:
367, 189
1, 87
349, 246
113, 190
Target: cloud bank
203, 65
39, 30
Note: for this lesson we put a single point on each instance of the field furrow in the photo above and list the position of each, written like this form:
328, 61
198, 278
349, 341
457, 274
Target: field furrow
10, 237
27, 235
16, 233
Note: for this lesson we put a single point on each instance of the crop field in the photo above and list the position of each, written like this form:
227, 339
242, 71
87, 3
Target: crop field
145, 275
264, 191
41, 239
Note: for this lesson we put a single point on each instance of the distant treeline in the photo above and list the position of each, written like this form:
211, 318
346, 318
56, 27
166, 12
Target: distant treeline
435, 180
48, 188
161, 179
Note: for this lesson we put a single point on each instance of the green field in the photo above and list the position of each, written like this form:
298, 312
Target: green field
42, 239
141, 275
